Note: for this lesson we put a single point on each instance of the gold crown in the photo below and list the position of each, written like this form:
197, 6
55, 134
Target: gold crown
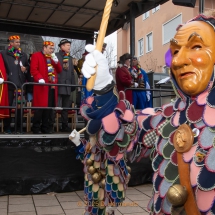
15, 37
48, 43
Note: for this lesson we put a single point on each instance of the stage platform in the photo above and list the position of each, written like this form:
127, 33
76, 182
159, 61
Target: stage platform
43, 163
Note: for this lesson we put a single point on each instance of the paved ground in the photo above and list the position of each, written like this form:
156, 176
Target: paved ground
71, 203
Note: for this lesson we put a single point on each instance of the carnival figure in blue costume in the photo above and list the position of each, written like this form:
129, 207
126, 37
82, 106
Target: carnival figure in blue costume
112, 129
140, 99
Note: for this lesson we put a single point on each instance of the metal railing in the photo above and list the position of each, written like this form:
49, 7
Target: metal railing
53, 108
154, 90
22, 107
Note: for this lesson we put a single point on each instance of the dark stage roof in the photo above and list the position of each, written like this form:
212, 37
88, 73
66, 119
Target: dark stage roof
77, 19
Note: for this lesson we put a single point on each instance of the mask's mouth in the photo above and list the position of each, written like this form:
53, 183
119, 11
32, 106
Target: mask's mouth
186, 74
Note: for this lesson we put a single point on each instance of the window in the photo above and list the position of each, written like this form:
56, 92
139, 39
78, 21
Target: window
149, 42
146, 15
169, 28
156, 9
140, 47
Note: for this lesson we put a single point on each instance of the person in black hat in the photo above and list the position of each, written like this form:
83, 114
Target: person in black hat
65, 77
123, 76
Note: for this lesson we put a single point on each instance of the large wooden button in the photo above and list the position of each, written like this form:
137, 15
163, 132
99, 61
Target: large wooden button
183, 138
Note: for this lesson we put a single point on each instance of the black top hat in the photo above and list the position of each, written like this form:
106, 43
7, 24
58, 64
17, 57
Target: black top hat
125, 57
63, 41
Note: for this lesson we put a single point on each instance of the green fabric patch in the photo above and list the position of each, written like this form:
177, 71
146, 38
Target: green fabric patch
108, 148
167, 150
156, 162
115, 187
95, 195
125, 141
120, 194
167, 130
90, 188
109, 179
108, 139
171, 172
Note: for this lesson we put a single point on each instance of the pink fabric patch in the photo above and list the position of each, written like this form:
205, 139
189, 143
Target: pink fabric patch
140, 119
209, 116
89, 100
201, 99
205, 199
128, 116
110, 123
175, 120
187, 156
148, 111
194, 172
119, 156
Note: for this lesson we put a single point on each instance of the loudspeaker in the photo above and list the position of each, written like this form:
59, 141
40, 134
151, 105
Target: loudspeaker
186, 3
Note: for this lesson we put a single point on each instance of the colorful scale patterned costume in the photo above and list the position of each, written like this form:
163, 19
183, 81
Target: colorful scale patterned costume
114, 134
158, 126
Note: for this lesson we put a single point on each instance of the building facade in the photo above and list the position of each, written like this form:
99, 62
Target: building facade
153, 31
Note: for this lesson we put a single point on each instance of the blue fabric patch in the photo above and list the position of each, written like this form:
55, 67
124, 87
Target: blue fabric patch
206, 179
146, 123
182, 118
108, 187
93, 126
157, 183
213, 208
157, 204
113, 195
175, 106
95, 210
211, 98
90, 196
122, 163
142, 132
209, 161
102, 106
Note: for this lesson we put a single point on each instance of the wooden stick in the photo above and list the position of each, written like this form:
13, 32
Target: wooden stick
82, 130
102, 32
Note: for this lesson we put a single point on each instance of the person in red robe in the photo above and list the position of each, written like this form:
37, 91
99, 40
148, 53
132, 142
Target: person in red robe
44, 64
123, 76
4, 113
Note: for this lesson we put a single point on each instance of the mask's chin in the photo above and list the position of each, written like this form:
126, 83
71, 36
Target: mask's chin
187, 95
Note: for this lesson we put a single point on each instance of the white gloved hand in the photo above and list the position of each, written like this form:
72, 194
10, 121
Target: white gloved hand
148, 97
75, 137
54, 57
136, 84
42, 81
1, 80
95, 57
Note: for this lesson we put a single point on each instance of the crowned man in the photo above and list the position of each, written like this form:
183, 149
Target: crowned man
179, 135
16, 64
44, 68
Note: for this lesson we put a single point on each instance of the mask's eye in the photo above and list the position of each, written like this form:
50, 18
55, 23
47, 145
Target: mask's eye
196, 47
175, 52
